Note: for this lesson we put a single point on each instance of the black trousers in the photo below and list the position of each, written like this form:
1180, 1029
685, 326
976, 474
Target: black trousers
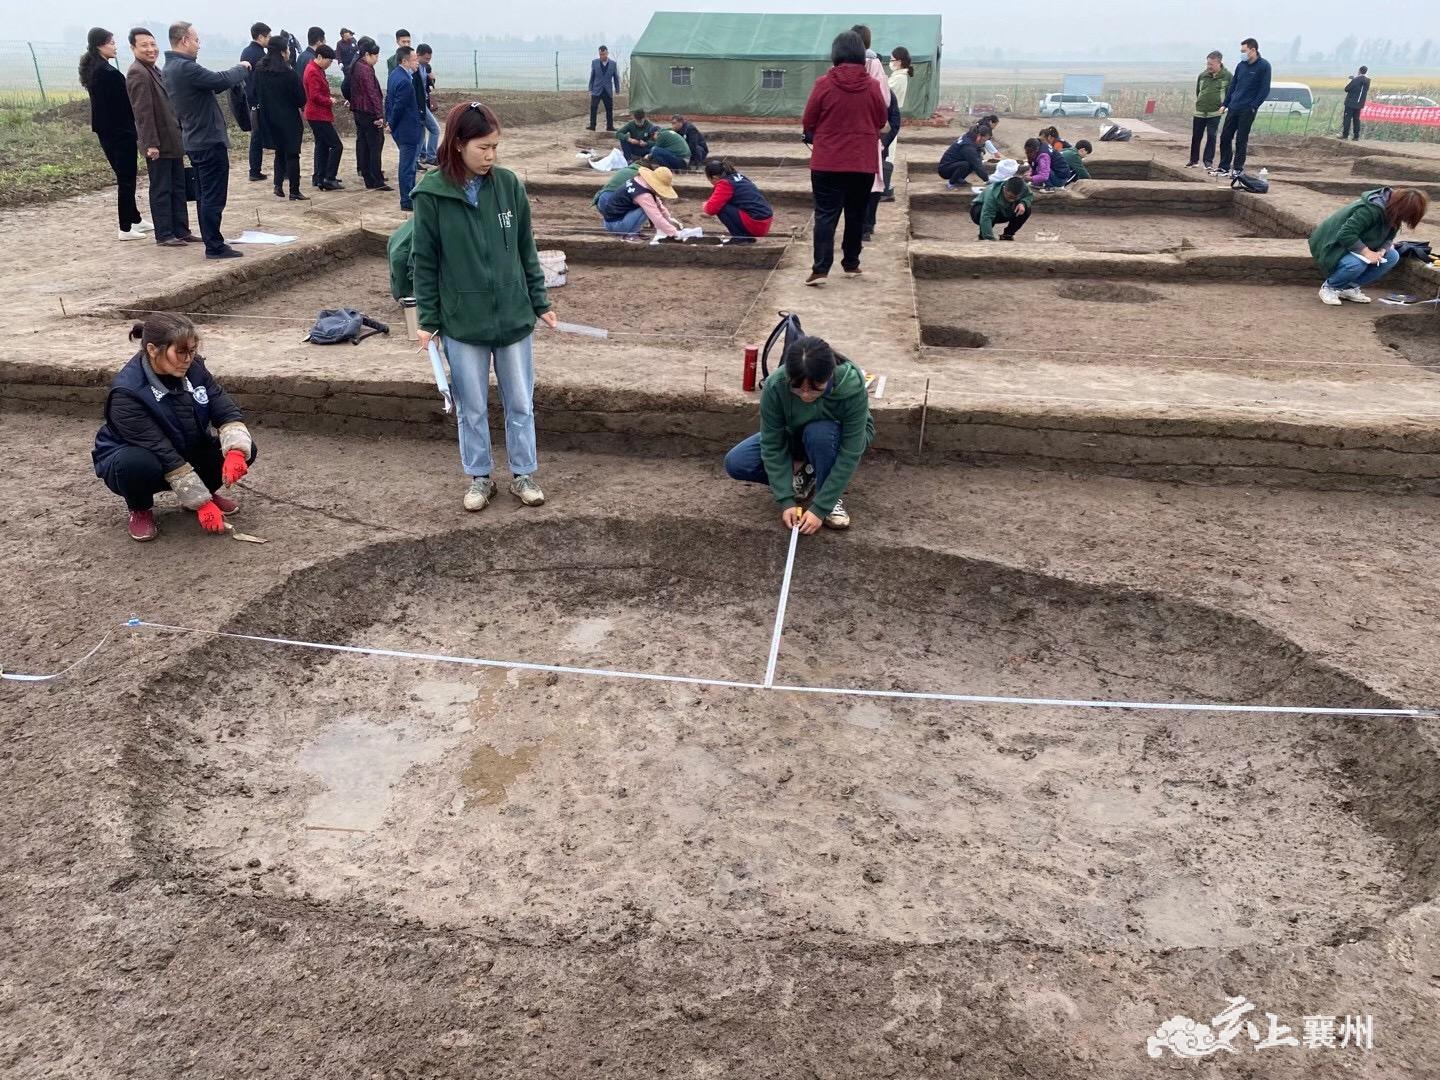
1352, 119
257, 146
1236, 130
212, 177
327, 150
121, 151
1203, 127
595, 100
1012, 226
136, 475
287, 167
168, 212
837, 193
369, 140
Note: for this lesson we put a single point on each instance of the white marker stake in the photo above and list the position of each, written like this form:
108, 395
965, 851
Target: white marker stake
780, 611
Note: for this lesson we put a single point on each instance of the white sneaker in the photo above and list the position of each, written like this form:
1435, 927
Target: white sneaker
1329, 296
527, 491
131, 235
838, 518
482, 490
1354, 295
143, 226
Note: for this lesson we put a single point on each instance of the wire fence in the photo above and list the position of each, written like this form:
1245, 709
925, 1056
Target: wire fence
37, 75
1170, 102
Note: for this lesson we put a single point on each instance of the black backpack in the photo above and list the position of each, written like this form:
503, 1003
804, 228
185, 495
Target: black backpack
1116, 133
336, 325
786, 331
1252, 184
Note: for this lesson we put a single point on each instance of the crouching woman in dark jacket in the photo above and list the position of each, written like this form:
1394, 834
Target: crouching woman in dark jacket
157, 431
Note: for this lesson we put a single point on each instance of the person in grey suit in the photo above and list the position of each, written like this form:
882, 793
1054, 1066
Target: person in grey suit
604, 77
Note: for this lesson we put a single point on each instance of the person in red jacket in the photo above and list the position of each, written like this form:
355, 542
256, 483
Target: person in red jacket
320, 112
737, 202
842, 123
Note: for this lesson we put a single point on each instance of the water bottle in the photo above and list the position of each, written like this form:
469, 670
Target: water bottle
1265, 175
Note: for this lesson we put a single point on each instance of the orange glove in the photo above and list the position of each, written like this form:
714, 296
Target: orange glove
211, 519
233, 468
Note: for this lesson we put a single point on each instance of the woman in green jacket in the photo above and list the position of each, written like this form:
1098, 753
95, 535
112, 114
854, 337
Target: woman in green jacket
815, 423
478, 284
1356, 245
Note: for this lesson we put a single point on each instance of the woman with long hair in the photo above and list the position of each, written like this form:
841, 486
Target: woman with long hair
736, 202
1356, 245
902, 70
281, 98
841, 124
113, 121
479, 288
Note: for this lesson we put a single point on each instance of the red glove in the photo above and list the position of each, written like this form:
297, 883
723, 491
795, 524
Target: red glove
211, 519
234, 467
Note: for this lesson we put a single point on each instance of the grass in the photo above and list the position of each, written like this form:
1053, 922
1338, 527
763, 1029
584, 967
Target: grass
44, 160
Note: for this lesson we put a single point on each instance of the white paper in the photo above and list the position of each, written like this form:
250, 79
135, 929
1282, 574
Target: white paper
692, 233
254, 236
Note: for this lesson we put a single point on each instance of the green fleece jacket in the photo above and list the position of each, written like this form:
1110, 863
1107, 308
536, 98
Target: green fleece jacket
1210, 91
477, 273
1076, 162
617, 179
672, 140
995, 207
638, 129
783, 417
1363, 222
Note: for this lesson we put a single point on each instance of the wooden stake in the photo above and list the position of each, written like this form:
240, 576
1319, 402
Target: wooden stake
63, 312
705, 385
924, 410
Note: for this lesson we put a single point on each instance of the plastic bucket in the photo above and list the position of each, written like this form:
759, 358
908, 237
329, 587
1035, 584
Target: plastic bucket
553, 265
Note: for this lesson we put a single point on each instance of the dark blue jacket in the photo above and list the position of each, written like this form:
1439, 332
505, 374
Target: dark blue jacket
1060, 171
254, 54
1250, 86
402, 111
198, 395
614, 205
746, 196
604, 77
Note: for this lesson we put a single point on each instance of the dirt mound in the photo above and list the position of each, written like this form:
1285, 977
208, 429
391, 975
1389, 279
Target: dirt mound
519, 108
1107, 292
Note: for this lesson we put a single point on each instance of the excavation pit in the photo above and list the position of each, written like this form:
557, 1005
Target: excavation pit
1090, 230
542, 807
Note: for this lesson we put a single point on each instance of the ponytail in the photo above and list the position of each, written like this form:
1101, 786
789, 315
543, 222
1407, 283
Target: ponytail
716, 168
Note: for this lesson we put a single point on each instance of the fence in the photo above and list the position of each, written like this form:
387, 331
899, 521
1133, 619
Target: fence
1174, 102
40, 74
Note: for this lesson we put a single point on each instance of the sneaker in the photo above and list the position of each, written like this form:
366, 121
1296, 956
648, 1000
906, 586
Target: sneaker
838, 518
142, 226
815, 279
226, 505
226, 252
852, 270
482, 490
1354, 295
142, 526
131, 234
191, 238
1192, 164
803, 482
527, 491
1329, 296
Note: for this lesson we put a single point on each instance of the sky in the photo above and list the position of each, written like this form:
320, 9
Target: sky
1063, 27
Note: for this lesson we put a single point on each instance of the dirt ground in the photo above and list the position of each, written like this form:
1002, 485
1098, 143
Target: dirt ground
234, 858
1091, 230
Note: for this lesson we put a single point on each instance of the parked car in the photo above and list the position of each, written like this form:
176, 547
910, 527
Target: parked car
1407, 101
1289, 97
1073, 105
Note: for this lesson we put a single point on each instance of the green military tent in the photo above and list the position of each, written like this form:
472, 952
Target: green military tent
719, 64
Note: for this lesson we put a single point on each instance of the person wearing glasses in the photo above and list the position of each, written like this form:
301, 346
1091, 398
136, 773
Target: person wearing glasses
815, 423
479, 286
157, 434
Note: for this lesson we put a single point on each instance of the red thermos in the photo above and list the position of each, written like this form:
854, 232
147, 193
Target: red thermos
752, 361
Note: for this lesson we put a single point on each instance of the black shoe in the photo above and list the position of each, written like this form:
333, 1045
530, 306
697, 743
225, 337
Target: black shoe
1006, 236
383, 187
191, 238
329, 185
889, 196
590, 128
279, 193
258, 176
866, 237
296, 196
226, 252
609, 129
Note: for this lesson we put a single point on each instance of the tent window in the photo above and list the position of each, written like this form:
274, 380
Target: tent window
680, 76
772, 78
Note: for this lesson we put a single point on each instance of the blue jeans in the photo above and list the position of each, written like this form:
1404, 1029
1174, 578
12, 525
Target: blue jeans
409, 157
821, 439
629, 224
431, 144
673, 162
1355, 271
729, 216
212, 175
470, 384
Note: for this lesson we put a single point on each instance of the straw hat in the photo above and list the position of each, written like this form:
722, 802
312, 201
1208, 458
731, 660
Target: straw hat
661, 181
1004, 170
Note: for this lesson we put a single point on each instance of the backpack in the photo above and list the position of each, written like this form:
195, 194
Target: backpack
1115, 133
1252, 184
786, 331
334, 325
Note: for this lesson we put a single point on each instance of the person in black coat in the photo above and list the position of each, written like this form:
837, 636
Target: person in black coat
964, 156
281, 99
159, 415
113, 122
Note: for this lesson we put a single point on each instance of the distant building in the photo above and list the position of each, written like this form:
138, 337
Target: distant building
718, 64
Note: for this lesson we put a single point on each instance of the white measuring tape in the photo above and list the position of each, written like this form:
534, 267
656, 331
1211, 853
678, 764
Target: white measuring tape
768, 686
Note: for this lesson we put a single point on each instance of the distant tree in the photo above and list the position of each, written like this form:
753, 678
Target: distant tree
1295, 49
1424, 53
1345, 52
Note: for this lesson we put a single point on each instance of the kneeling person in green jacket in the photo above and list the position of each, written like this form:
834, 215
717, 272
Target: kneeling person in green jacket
815, 423
1008, 202
1356, 245
1075, 157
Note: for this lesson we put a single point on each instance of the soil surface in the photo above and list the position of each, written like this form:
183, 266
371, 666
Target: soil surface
403, 868
1415, 335
1091, 230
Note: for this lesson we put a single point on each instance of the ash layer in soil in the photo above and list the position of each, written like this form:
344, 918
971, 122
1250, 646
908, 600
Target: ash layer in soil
550, 808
